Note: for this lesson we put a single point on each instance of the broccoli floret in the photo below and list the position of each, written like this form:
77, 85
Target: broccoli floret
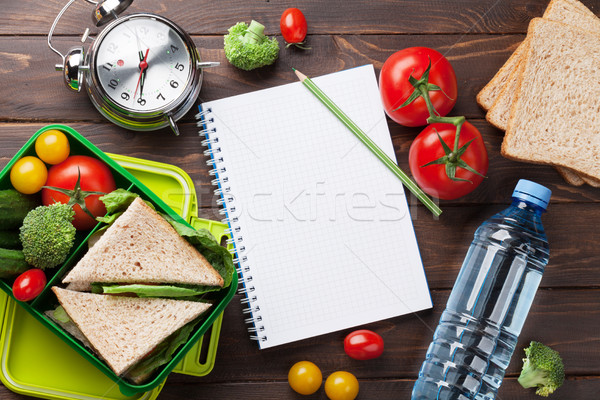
543, 368
47, 235
247, 47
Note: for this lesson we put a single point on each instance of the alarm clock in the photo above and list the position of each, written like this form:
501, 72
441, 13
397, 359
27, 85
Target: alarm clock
142, 71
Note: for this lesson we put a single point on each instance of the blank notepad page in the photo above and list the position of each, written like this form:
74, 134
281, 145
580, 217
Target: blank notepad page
321, 227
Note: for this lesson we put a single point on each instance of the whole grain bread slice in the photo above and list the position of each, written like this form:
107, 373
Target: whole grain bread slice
490, 92
591, 181
567, 11
570, 176
570, 12
499, 113
142, 247
122, 330
553, 120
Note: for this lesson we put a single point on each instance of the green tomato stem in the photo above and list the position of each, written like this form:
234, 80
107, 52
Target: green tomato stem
452, 158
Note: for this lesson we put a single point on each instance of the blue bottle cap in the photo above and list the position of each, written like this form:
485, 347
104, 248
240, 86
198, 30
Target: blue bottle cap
533, 193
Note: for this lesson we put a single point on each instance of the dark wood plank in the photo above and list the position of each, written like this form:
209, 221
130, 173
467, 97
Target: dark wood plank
337, 17
569, 265
391, 389
553, 318
37, 91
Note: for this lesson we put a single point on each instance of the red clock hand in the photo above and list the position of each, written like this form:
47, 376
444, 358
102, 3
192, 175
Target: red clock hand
143, 67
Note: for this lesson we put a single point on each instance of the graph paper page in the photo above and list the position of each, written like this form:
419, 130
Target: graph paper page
321, 225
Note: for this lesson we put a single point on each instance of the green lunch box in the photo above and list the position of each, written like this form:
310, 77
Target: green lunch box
56, 366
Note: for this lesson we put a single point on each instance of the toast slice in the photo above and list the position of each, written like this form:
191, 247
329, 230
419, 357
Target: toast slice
592, 182
499, 113
122, 330
570, 176
142, 247
566, 11
552, 119
490, 92
570, 12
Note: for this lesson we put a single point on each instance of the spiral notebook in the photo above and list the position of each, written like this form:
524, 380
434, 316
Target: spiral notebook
321, 228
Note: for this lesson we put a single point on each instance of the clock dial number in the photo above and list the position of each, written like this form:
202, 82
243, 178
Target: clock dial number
112, 48
143, 65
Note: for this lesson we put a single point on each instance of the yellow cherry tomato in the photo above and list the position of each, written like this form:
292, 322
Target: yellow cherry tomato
341, 385
305, 377
52, 146
28, 175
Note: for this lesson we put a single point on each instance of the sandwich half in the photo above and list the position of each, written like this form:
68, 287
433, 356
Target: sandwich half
141, 251
132, 335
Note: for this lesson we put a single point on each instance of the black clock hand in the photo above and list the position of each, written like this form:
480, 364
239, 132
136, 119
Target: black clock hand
143, 78
143, 66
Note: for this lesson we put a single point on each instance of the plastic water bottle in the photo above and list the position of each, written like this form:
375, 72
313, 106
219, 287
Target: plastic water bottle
478, 330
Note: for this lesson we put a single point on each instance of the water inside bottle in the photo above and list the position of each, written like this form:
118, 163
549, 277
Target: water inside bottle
486, 310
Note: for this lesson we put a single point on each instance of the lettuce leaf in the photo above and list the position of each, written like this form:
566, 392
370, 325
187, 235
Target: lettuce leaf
61, 315
118, 200
142, 290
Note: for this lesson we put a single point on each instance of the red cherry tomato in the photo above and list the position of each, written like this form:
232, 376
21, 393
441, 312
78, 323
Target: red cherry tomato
395, 87
95, 176
293, 26
363, 344
29, 284
433, 178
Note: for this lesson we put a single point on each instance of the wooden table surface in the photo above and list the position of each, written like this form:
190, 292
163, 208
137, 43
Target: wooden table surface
477, 36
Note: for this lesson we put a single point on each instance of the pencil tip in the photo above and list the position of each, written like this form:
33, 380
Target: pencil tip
300, 75
293, 69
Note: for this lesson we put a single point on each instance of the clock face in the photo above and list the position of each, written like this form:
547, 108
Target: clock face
143, 64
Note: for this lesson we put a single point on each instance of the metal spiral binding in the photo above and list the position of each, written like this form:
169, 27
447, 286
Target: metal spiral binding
227, 202
249, 300
246, 290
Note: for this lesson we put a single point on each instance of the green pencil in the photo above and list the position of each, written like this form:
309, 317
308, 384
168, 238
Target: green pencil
410, 185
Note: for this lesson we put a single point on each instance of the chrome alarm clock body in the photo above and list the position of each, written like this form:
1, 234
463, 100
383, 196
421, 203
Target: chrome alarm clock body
142, 71
147, 97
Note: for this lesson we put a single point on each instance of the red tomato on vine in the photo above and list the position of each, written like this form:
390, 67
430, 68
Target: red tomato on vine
94, 178
396, 79
443, 168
